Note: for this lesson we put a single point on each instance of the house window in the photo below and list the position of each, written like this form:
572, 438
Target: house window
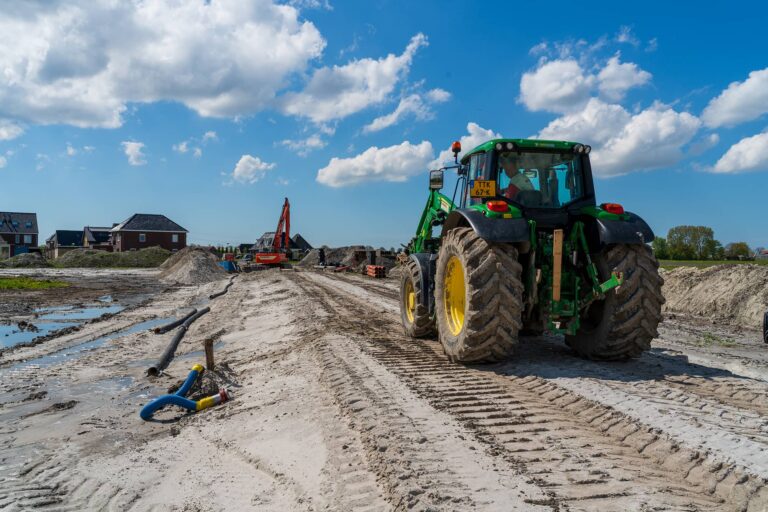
28, 224
18, 239
142, 237
28, 239
175, 238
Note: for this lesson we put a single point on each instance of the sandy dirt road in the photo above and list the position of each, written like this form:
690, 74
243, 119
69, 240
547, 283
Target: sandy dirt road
334, 409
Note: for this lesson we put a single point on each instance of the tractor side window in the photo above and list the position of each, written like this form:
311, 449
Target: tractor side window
477, 170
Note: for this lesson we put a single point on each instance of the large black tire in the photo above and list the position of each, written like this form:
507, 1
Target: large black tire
493, 300
419, 323
623, 325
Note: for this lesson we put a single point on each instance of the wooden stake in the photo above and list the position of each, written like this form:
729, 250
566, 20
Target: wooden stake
557, 264
209, 353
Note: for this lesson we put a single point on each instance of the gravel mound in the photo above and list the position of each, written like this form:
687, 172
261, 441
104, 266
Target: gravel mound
90, 258
192, 265
733, 294
28, 260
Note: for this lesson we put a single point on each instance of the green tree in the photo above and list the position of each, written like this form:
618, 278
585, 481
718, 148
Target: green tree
738, 251
660, 248
692, 243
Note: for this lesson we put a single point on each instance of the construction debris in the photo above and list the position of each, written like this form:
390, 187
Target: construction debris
732, 294
91, 258
356, 257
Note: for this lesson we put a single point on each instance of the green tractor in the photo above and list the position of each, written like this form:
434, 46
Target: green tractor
522, 247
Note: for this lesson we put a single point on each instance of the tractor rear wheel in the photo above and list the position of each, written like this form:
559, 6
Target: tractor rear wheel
623, 324
478, 297
417, 320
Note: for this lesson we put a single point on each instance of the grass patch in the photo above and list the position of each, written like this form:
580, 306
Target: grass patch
670, 264
710, 339
28, 283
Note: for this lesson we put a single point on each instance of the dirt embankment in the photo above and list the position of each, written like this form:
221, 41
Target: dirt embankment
28, 260
192, 265
733, 294
90, 258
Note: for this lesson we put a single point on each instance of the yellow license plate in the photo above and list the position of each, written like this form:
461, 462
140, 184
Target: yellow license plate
483, 188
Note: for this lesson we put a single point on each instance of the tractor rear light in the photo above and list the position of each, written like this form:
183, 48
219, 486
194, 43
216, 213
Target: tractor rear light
578, 148
587, 149
614, 208
497, 206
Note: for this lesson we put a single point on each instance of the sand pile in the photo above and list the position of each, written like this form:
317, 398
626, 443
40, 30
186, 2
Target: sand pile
734, 294
90, 258
28, 260
192, 265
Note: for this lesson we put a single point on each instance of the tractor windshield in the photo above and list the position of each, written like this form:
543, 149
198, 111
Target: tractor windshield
540, 179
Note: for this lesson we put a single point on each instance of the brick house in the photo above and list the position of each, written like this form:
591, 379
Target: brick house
143, 230
61, 242
18, 233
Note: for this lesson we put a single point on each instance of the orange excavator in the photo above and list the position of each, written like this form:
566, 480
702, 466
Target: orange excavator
281, 245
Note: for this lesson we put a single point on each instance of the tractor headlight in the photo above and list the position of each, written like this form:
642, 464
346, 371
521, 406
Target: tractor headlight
587, 149
578, 148
510, 146
499, 146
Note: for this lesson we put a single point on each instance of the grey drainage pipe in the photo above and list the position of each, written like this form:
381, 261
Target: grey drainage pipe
169, 327
165, 359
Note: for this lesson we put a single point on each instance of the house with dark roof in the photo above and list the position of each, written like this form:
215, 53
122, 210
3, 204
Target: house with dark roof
142, 230
99, 238
298, 242
62, 241
18, 233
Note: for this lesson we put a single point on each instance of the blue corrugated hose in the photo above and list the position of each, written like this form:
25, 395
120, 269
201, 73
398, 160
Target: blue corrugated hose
179, 398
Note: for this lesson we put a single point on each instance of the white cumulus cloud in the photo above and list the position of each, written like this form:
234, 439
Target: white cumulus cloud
393, 163
415, 104
563, 85
475, 136
339, 91
304, 146
9, 130
624, 142
749, 154
740, 102
616, 78
81, 62
556, 86
209, 135
250, 169
134, 151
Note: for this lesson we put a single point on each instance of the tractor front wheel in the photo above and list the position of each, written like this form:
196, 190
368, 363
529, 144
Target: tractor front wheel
417, 321
622, 325
478, 297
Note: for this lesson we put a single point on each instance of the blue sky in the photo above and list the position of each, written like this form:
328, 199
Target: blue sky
212, 112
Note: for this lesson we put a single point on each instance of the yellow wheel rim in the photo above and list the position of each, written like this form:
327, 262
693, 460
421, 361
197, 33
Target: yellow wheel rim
410, 300
454, 295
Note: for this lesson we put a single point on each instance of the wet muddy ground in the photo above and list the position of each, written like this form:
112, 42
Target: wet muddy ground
334, 409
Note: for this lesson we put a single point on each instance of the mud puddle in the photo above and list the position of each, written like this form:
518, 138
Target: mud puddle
47, 320
75, 351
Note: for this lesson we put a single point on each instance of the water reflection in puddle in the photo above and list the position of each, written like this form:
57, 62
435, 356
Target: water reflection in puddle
52, 318
75, 351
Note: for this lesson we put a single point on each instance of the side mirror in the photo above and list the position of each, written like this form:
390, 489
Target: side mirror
435, 179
